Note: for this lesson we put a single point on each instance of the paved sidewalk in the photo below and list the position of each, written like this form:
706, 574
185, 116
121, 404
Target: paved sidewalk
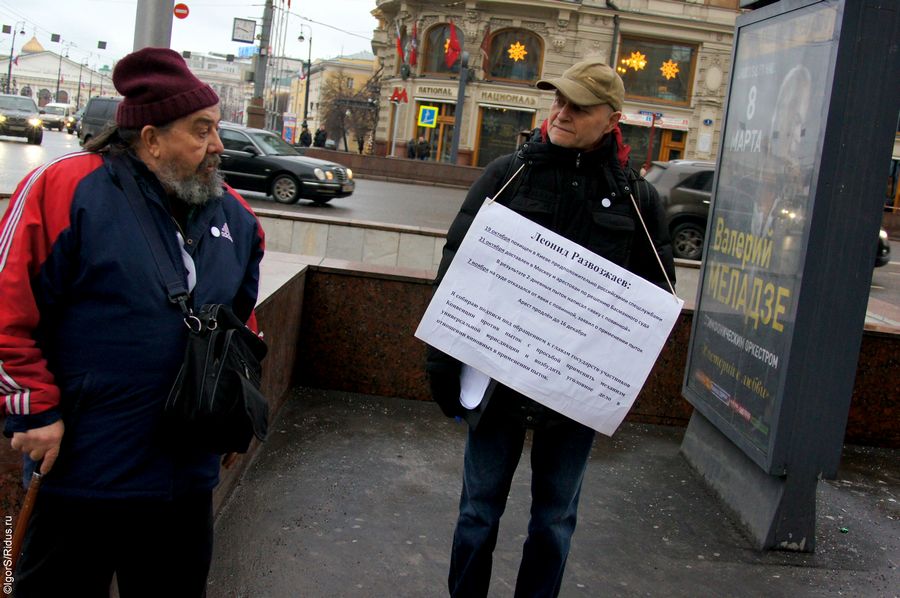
356, 496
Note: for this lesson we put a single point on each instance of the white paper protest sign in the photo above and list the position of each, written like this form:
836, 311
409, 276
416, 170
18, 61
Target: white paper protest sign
548, 318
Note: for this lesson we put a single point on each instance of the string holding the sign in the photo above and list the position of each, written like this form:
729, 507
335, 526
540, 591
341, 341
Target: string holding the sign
491, 200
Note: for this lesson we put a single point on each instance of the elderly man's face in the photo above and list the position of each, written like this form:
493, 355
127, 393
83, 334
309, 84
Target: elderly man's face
579, 127
188, 156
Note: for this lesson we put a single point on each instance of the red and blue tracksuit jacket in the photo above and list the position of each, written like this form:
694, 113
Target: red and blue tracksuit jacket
87, 333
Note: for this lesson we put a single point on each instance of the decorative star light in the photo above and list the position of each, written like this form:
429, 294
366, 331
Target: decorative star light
669, 69
637, 61
446, 45
517, 52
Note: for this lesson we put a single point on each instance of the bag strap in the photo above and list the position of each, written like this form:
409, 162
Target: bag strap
172, 280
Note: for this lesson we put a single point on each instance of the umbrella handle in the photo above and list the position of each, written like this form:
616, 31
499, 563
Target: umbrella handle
25, 515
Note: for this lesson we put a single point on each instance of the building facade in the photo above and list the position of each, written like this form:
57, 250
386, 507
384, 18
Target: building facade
352, 75
673, 55
227, 76
46, 76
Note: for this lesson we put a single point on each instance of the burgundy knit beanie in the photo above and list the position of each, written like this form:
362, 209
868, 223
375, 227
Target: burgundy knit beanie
158, 88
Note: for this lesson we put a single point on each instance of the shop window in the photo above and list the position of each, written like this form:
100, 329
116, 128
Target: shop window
514, 55
498, 132
437, 44
657, 70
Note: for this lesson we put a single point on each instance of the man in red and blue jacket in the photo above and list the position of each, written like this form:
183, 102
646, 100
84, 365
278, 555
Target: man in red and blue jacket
90, 344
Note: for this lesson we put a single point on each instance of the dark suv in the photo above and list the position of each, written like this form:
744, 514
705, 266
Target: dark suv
99, 113
19, 118
685, 188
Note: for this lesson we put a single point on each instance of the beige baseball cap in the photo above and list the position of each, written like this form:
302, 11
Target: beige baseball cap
589, 83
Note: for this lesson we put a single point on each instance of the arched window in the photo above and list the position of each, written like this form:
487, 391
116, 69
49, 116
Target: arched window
62, 97
26, 91
438, 49
514, 55
44, 97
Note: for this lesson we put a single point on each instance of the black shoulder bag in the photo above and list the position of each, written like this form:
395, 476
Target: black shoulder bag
215, 403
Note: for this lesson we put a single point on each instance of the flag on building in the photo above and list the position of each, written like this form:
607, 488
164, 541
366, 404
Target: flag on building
451, 53
486, 50
399, 43
413, 45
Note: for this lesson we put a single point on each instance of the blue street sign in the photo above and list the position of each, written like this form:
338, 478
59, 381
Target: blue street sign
428, 116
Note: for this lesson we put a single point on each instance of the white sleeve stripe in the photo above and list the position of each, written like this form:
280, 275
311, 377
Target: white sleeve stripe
18, 399
18, 403
6, 235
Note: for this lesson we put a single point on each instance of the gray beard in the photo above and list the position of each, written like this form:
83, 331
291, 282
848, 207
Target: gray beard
195, 190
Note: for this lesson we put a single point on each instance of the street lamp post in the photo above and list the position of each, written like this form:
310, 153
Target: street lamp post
12, 48
91, 74
55, 37
78, 95
308, 73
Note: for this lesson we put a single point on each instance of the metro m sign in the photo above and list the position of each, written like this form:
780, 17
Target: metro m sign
399, 96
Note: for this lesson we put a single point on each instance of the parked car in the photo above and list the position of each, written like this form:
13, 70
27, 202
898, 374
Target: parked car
685, 190
261, 161
19, 117
56, 115
99, 113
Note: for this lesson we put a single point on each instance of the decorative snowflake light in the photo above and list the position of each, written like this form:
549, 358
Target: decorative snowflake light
517, 52
637, 61
669, 69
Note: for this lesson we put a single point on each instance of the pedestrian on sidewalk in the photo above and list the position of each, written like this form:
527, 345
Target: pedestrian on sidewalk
305, 137
577, 184
90, 343
321, 137
423, 149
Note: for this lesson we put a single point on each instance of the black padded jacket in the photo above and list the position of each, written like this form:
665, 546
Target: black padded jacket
581, 195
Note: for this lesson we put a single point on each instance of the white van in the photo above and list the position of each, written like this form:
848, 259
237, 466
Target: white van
57, 116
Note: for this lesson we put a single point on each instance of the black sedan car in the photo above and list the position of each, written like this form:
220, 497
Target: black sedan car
261, 161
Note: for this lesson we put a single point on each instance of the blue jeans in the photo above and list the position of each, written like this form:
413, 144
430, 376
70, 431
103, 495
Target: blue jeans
559, 453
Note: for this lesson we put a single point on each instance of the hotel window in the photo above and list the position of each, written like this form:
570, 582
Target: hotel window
513, 55
657, 71
437, 44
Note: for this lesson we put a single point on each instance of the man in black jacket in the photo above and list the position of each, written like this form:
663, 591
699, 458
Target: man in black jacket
575, 182
321, 137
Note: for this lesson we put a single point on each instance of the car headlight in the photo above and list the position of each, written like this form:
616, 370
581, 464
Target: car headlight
883, 234
2, 118
319, 174
34, 122
329, 175
349, 174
